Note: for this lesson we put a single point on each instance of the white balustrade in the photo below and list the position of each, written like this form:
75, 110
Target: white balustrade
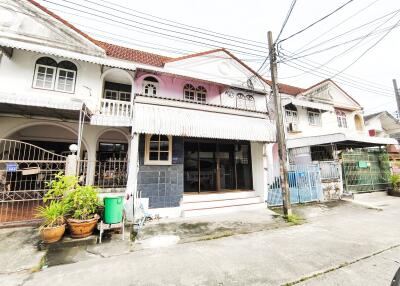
117, 108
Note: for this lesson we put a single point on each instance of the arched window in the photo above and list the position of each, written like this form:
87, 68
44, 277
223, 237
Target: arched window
291, 118
250, 103
45, 73
240, 101
158, 150
189, 92
341, 118
358, 122
150, 86
66, 75
201, 94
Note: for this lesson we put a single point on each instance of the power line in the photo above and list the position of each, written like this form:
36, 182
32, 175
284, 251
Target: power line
334, 27
357, 43
147, 26
293, 57
345, 33
280, 33
178, 23
362, 81
324, 75
367, 50
316, 22
286, 19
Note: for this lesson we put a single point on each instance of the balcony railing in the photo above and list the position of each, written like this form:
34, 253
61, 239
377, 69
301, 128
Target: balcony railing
117, 108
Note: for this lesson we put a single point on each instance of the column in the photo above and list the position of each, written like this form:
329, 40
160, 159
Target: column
131, 198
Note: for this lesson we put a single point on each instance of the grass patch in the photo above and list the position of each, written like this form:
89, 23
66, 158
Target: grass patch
294, 219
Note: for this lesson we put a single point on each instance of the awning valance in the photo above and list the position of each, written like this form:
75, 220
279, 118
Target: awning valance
167, 120
309, 104
342, 138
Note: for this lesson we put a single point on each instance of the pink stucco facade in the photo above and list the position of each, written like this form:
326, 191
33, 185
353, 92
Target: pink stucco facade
172, 87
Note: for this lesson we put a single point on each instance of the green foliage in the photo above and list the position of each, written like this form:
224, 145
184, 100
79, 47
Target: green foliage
82, 202
60, 186
294, 219
395, 179
52, 214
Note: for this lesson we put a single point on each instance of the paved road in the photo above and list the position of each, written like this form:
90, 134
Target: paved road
333, 236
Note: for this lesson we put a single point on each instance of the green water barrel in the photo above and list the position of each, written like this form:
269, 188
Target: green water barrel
113, 208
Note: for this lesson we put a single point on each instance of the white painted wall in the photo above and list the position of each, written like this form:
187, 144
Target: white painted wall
16, 77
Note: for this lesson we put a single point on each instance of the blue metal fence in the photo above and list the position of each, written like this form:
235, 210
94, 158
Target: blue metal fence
304, 185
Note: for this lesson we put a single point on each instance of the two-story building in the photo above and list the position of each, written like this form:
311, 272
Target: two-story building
178, 135
325, 127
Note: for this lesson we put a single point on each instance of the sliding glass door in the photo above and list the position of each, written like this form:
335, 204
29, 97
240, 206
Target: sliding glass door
217, 166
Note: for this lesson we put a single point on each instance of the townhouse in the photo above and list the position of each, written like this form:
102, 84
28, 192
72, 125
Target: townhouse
330, 149
152, 128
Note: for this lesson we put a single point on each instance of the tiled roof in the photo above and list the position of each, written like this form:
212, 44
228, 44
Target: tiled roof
147, 58
137, 56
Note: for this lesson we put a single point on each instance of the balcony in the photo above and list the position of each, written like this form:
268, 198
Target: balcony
113, 113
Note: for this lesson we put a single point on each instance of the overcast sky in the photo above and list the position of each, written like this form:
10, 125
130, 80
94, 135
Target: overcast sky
250, 20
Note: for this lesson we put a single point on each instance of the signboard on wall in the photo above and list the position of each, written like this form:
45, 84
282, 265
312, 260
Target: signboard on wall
11, 167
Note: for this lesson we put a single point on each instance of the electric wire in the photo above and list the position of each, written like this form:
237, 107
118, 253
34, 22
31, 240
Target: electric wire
316, 22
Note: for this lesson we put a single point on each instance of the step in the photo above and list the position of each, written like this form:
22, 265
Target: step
220, 203
218, 196
221, 210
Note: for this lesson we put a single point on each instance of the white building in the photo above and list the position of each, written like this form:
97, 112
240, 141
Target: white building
146, 125
323, 124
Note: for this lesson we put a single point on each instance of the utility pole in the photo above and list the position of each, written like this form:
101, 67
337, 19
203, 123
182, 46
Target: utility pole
287, 209
397, 93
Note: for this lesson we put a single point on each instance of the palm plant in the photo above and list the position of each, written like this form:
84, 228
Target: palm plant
52, 214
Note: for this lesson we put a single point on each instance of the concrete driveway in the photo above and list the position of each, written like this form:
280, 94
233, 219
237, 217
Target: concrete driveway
341, 244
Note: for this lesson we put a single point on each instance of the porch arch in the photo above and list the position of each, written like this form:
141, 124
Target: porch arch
31, 132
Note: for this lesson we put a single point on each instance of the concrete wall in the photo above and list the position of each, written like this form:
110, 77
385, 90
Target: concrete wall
163, 185
16, 77
172, 87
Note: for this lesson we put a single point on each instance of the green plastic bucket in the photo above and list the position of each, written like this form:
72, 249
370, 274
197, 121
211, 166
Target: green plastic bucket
113, 208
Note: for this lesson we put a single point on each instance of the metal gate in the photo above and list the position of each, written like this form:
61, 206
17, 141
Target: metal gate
304, 185
366, 170
25, 171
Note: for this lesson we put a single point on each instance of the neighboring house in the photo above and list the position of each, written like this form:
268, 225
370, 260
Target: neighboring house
146, 125
324, 124
384, 124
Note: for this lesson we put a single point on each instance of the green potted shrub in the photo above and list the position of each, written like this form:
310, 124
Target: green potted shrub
83, 205
395, 190
53, 225
60, 187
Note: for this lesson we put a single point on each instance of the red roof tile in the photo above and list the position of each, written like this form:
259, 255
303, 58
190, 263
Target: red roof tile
137, 56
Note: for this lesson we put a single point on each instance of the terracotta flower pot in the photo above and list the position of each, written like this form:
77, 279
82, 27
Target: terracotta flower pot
52, 234
82, 228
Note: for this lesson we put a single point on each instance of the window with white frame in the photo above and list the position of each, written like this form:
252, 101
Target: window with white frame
201, 94
45, 73
150, 86
52, 76
291, 118
66, 75
117, 91
341, 118
158, 149
314, 117
240, 101
189, 92
250, 103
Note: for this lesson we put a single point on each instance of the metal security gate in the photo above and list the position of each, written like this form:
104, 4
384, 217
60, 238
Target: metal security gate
25, 171
366, 170
304, 185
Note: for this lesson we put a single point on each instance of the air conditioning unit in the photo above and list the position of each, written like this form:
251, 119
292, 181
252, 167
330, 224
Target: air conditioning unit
293, 127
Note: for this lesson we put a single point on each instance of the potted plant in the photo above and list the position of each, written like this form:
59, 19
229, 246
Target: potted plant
395, 190
60, 186
83, 206
53, 226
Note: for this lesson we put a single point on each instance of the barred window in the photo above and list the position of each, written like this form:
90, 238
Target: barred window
189, 92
